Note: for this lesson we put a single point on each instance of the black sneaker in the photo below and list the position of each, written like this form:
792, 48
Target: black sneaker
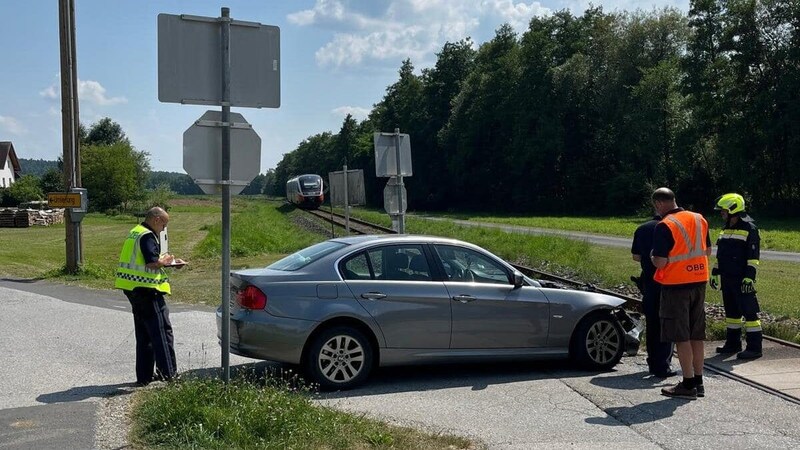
680, 391
701, 391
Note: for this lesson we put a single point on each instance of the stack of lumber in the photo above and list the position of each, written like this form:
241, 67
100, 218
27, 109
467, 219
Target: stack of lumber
54, 216
23, 218
7, 217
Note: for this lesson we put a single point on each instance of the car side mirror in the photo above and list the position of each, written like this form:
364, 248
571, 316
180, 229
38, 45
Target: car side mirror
518, 279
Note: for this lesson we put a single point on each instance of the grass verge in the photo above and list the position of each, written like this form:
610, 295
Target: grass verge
261, 232
250, 413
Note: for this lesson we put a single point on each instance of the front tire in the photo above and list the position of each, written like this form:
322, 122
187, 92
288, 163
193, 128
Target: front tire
339, 358
598, 342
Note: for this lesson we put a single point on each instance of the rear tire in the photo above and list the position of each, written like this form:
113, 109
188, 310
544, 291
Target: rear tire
339, 358
598, 342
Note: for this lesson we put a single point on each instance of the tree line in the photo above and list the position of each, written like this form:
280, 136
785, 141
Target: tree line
586, 114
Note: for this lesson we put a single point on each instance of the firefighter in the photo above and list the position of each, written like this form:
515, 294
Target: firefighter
735, 274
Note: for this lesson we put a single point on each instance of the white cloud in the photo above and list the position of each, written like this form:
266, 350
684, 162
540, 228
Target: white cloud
12, 125
88, 91
405, 28
393, 45
51, 92
357, 112
516, 14
95, 93
323, 10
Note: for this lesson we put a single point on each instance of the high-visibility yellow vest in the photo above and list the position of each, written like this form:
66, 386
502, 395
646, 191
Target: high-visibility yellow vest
132, 271
687, 262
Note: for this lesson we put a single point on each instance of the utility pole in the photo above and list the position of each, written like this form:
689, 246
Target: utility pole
70, 122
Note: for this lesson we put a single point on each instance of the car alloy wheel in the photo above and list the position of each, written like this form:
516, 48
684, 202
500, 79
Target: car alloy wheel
339, 358
598, 342
603, 342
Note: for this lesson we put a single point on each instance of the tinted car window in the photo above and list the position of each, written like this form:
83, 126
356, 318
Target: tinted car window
394, 263
356, 268
306, 256
462, 264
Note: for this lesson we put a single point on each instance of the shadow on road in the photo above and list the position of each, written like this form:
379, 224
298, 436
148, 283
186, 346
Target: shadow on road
632, 381
637, 414
476, 376
22, 280
79, 393
641, 413
408, 378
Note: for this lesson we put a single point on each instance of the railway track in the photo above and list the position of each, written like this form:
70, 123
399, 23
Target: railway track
356, 225
552, 280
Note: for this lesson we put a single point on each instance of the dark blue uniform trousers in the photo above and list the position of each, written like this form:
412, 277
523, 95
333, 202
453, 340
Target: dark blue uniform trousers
659, 354
154, 341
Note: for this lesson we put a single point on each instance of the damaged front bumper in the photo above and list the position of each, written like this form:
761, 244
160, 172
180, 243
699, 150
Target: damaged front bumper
633, 325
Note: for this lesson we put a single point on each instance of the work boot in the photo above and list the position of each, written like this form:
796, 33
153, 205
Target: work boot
733, 341
680, 391
753, 349
749, 354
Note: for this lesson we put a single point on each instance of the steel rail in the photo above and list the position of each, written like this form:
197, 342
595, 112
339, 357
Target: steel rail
754, 384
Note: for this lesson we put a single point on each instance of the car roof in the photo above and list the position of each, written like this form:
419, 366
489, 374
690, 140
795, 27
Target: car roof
392, 238
355, 243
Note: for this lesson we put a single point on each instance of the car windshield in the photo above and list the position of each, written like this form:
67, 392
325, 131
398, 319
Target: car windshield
306, 256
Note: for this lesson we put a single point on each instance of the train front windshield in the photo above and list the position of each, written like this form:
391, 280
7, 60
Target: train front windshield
310, 184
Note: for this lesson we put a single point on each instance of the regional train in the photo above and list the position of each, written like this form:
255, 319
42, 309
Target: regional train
305, 191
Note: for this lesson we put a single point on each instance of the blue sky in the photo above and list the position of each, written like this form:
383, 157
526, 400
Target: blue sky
337, 56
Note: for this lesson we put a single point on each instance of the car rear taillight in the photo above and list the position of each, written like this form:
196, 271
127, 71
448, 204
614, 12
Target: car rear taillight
251, 298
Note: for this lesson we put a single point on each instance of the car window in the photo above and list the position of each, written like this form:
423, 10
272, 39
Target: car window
399, 262
356, 268
306, 256
462, 264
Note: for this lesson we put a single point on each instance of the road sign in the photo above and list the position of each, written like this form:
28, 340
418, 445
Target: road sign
202, 152
190, 62
386, 151
355, 187
390, 198
64, 199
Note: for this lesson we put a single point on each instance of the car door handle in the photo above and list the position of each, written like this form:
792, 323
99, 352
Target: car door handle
373, 295
464, 298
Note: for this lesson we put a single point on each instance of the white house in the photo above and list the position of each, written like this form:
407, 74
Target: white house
9, 165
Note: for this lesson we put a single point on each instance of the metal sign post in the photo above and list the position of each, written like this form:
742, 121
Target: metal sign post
225, 62
346, 202
401, 220
226, 194
393, 160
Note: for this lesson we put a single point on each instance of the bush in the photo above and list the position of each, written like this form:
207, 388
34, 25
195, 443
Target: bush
25, 189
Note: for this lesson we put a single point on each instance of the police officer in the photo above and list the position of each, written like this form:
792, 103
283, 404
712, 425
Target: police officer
141, 276
738, 250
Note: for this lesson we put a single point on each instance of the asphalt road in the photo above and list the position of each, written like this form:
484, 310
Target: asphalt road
599, 239
63, 350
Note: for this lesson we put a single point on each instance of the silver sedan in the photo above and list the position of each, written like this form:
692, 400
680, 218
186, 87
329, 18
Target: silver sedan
345, 306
